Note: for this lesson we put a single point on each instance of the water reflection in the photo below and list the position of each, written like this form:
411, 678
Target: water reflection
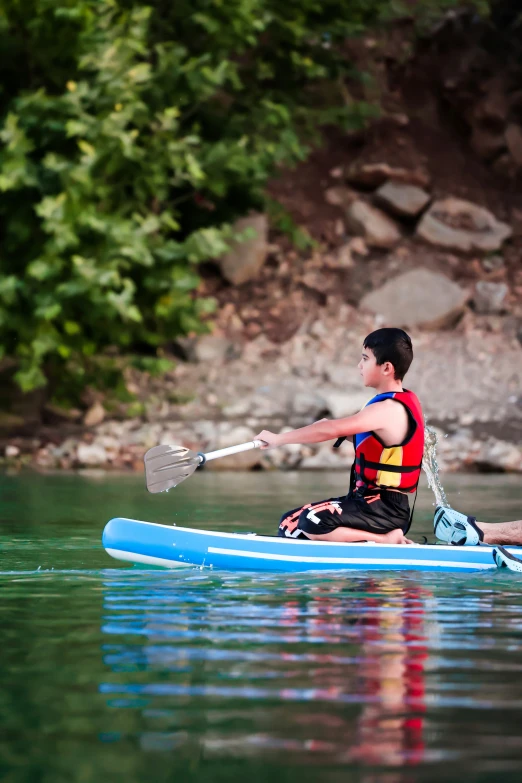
356, 651
219, 677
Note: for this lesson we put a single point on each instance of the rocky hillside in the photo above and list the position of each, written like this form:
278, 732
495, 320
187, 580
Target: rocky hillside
416, 222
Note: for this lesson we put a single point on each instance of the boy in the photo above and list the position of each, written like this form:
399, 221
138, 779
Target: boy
388, 437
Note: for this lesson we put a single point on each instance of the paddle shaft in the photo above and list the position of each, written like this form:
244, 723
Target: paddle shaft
253, 444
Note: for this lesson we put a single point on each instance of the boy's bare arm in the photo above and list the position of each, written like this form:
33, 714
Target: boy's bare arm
375, 417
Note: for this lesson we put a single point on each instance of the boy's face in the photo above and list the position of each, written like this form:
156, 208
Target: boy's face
371, 372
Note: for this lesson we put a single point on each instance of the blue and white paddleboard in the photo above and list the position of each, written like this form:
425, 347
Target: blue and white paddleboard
168, 546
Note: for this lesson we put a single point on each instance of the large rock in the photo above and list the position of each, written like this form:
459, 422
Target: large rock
265, 406
212, 348
490, 297
67, 449
345, 403
91, 454
377, 228
371, 175
232, 436
461, 450
277, 401
246, 257
95, 415
339, 196
307, 403
417, 298
286, 457
255, 351
456, 224
496, 454
401, 199
328, 458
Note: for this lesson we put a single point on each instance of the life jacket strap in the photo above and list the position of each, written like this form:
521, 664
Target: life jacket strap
382, 466
360, 464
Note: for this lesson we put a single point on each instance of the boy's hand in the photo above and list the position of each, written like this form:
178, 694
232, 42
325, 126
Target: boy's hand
270, 438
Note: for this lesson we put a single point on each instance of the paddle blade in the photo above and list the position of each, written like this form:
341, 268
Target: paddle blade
505, 559
168, 466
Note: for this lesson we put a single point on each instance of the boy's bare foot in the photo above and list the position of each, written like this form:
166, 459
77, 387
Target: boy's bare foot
396, 537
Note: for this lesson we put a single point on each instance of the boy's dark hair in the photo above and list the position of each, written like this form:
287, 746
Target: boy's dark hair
394, 346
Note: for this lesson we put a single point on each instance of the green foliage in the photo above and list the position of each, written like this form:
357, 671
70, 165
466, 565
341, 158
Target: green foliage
132, 136
154, 365
283, 222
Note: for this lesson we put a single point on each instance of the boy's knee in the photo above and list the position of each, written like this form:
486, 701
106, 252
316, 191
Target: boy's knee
288, 522
286, 516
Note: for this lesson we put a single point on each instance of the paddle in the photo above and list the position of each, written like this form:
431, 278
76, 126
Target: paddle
167, 466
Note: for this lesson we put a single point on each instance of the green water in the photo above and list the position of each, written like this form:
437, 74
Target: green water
112, 673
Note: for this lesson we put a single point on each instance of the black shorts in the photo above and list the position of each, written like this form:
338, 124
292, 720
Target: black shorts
376, 513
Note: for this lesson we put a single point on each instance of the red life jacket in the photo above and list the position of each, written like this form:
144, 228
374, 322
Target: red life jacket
378, 466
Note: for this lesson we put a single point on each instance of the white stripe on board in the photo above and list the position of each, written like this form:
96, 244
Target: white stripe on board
135, 557
347, 560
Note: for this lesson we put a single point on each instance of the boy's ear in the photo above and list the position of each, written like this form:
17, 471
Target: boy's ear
388, 368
